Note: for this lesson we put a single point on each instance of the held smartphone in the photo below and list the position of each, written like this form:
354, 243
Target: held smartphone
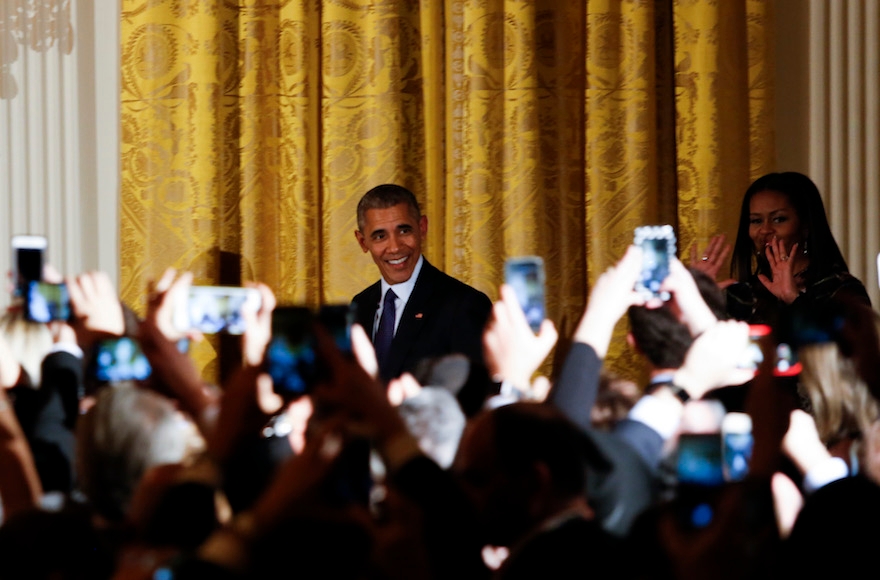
736, 445
699, 460
525, 274
337, 320
658, 245
119, 359
213, 309
28, 256
700, 476
787, 364
291, 358
44, 302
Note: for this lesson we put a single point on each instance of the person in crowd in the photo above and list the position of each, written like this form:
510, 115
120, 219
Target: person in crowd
833, 533
620, 482
837, 347
414, 311
522, 464
616, 397
784, 251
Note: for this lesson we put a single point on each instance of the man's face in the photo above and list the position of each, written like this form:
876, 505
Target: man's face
393, 236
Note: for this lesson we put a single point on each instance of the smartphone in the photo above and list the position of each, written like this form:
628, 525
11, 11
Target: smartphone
658, 245
28, 257
337, 320
291, 357
119, 359
699, 459
213, 309
525, 274
736, 445
44, 302
786, 365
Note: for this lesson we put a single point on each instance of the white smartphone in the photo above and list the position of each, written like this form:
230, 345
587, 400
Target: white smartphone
658, 245
525, 274
28, 257
213, 309
736, 445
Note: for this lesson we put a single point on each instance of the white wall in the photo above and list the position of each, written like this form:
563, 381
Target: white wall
59, 132
828, 116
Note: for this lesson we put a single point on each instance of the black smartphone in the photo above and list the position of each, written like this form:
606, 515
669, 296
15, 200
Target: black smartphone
44, 302
291, 357
525, 274
337, 320
700, 475
28, 257
214, 309
120, 359
658, 245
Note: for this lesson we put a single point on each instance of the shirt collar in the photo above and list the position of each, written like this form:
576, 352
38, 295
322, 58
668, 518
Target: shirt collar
404, 289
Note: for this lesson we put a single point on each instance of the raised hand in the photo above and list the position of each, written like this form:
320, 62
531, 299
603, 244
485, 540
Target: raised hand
687, 302
781, 261
713, 359
712, 258
512, 350
96, 307
258, 326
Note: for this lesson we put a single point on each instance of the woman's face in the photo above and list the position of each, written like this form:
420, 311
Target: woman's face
772, 215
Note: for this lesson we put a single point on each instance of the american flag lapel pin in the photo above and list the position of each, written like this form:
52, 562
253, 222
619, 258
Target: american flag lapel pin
419, 316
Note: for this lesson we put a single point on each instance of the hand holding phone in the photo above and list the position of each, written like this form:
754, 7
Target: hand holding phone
658, 245
525, 274
213, 309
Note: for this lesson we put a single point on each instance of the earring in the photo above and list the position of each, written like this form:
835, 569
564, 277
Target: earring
805, 248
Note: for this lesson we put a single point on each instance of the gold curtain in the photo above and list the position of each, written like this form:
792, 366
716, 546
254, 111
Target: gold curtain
252, 127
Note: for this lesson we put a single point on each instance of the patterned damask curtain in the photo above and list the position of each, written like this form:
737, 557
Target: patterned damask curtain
252, 127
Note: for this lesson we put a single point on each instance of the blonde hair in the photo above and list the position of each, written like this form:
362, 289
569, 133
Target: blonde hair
842, 404
29, 342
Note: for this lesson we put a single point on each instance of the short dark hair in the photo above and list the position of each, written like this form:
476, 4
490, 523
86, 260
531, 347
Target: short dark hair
385, 196
804, 196
526, 433
658, 333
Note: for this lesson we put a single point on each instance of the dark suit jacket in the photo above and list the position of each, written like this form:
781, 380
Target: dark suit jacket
620, 483
442, 316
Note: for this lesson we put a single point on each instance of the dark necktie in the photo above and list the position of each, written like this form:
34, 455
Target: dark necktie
385, 332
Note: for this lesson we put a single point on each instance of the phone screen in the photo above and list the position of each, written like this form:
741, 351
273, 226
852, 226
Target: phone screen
213, 309
291, 358
526, 276
658, 245
699, 459
46, 302
337, 320
120, 359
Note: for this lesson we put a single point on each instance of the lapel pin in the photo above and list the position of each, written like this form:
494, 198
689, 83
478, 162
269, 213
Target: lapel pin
420, 315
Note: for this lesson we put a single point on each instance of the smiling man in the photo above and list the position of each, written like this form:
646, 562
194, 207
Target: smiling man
429, 314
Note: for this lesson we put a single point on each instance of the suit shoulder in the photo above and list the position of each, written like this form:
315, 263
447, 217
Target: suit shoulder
366, 293
454, 285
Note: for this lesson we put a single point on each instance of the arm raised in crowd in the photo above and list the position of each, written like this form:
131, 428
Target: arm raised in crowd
175, 370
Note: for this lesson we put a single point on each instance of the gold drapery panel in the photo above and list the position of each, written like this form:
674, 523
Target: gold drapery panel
251, 129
